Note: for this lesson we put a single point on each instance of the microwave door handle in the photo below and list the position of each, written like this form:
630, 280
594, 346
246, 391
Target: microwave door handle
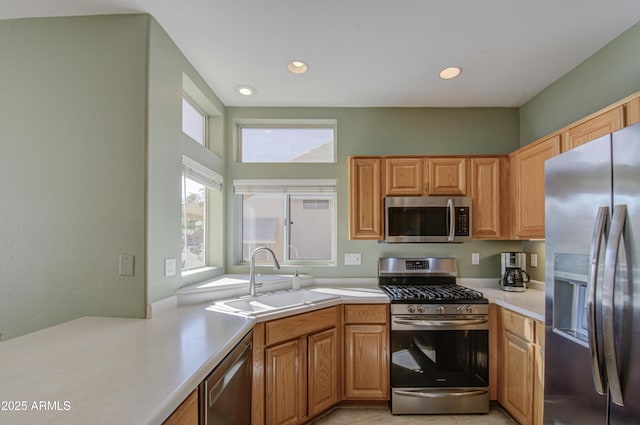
597, 367
452, 215
608, 304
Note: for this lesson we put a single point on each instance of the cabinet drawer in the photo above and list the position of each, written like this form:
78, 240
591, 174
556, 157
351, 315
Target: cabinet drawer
539, 333
287, 328
365, 313
518, 324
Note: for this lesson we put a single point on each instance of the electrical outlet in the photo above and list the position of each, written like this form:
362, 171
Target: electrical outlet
475, 258
534, 260
352, 259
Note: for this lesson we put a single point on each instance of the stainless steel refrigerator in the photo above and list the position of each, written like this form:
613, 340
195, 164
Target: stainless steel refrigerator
592, 352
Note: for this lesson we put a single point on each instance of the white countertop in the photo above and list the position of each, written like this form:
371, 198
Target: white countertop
529, 303
97, 370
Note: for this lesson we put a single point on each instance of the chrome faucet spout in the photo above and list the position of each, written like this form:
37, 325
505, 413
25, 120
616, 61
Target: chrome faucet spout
252, 267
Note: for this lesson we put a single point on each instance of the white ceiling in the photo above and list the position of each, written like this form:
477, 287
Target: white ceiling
373, 52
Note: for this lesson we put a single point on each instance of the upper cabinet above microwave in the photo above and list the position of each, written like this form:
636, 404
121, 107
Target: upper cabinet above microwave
408, 176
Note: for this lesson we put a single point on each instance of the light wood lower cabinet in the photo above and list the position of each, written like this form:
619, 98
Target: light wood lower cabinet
187, 413
296, 367
285, 383
366, 352
323, 371
520, 366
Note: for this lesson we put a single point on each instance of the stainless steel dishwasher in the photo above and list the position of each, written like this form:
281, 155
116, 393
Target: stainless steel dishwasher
228, 387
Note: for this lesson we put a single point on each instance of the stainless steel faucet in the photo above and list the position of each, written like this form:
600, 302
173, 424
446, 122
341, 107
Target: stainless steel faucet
252, 268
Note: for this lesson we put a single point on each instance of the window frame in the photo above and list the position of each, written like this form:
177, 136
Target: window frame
284, 124
212, 182
205, 121
325, 188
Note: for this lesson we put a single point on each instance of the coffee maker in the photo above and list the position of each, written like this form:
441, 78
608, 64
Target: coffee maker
513, 276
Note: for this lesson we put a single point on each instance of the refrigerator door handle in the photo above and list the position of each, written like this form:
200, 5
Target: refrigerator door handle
608, 305
597, 367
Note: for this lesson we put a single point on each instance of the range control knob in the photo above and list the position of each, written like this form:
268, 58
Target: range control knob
469, 309
411, 309
459, 310
420, 309
441, 310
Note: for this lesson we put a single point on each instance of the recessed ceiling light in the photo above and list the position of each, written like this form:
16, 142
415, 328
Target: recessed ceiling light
297, 67
451, 72
246, 90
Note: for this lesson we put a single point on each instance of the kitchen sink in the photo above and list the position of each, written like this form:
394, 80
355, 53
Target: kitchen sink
274, 302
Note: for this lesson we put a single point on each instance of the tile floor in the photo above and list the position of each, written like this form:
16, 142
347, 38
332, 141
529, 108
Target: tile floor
382, 416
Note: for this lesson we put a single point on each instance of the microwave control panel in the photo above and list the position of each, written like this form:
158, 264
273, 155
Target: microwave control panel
462, 221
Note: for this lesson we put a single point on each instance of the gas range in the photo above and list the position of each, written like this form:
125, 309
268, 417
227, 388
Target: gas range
424, 281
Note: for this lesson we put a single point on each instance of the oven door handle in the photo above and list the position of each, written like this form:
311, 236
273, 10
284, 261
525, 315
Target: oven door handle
440, 393
436, 322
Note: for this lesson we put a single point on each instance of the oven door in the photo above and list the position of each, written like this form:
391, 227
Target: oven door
439, 365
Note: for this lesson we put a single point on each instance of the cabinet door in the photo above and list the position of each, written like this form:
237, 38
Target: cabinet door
527, 167
323, 371
538, 386
403, 176
285, 383
489, 192
186, 413
447, 176
632, 111
366, 371
516, 391
365, 198
603, 124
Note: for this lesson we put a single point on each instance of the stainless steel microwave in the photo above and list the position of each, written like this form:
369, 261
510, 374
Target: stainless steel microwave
427, 219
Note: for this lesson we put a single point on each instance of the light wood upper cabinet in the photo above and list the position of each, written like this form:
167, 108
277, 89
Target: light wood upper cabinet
489, 193
447, 176
365, 198
366, 359
403, 176
527, 170
603, 124
632, 111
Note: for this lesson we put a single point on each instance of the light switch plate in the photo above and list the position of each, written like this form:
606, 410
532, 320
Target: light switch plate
352, 259
169, 267
475, 258
126, 264
534, 260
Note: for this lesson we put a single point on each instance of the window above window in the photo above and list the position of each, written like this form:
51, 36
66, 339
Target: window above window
194, 121
285, 142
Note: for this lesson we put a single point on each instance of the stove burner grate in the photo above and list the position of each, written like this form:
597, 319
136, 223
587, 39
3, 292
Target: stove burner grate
432, 293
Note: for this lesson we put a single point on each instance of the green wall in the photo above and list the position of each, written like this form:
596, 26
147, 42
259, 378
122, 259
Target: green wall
169, 74
72, 169
609, 75
383, 131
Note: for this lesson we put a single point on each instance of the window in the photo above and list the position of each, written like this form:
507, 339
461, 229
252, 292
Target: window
296, 219
197, 182
282, 142
194, 121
